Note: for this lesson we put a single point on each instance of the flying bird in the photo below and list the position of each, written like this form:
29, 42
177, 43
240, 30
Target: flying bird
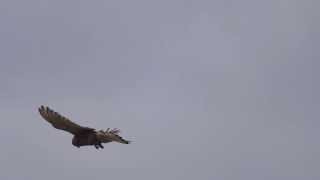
82, 136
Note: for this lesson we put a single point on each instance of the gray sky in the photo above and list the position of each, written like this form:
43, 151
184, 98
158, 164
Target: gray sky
206, 90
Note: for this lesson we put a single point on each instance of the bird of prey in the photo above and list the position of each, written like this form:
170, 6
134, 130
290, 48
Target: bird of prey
82, 136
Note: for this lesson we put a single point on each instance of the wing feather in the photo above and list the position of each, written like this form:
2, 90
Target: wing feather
109, 136
60, 122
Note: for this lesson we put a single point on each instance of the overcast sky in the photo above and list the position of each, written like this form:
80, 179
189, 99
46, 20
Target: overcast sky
223, 89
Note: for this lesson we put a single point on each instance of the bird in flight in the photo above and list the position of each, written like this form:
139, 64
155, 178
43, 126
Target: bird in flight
82, 136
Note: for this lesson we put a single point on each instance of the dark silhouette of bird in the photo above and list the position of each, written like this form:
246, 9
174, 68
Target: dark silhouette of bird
82, 136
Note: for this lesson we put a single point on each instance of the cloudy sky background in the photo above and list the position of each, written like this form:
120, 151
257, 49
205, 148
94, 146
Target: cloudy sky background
206, 90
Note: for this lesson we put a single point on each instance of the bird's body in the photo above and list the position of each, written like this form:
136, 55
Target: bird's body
86, 140
82, 136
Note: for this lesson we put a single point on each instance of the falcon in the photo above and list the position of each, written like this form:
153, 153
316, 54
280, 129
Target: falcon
82, 136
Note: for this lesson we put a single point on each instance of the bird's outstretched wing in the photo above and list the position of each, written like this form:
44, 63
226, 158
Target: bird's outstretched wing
60, 122
111, 135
